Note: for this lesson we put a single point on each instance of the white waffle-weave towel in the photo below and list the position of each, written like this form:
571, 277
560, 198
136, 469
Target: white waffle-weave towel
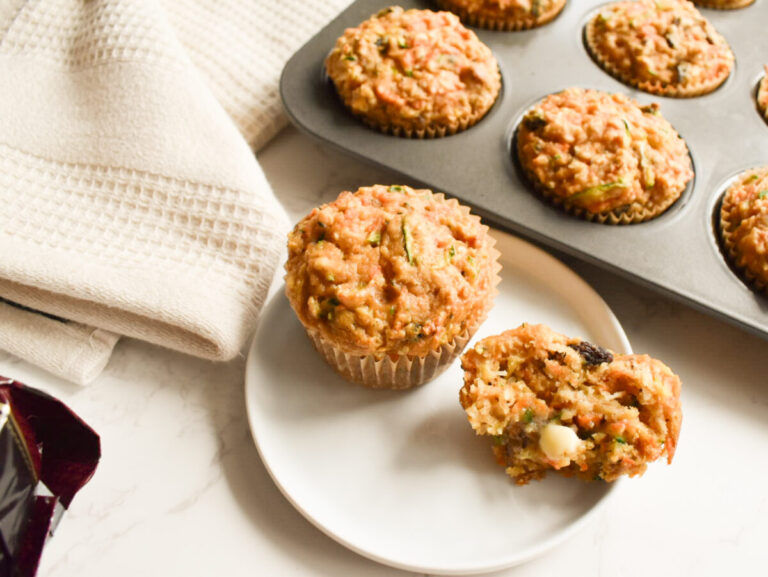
130, 200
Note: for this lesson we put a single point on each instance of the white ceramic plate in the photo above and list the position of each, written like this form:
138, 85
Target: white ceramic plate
400, 477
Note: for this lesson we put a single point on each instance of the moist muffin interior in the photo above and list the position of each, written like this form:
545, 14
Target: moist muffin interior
553, 402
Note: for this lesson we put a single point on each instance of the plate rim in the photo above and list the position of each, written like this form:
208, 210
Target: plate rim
505, 242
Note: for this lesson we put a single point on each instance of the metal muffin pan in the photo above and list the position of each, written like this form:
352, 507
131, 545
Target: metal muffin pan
676, 253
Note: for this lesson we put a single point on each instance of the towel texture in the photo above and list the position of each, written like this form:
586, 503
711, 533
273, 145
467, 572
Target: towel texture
130, 200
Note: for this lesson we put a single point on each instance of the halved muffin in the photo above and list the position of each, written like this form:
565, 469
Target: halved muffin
552, 402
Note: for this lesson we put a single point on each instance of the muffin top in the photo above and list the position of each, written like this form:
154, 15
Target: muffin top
602, 152
391, 270
414, 70
528, 13
745, 222
661, 46
762, 95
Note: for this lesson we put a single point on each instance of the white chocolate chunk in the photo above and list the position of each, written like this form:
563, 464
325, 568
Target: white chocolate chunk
559, 443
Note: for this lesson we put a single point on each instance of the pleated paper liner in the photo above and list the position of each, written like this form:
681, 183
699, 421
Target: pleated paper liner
404, 371
491, 21
723, 4
658, 88
726, 228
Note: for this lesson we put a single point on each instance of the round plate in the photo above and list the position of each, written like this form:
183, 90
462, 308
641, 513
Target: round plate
400, 477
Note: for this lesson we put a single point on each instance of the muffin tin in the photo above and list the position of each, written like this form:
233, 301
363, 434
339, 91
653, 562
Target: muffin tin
677, 253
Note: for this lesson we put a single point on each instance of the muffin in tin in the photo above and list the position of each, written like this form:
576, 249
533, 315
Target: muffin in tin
504, 14
744, 226
762, 95
723, 4
664, 47
391, 282
551, 402
414, 73
602, 156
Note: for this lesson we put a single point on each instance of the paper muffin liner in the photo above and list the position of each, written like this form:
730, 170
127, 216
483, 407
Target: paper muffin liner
510, 24
723, 4
634, 213
657, 88
726, 226
405, 371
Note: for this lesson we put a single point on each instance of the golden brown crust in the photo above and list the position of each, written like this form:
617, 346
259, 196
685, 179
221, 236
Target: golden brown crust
621, 411
694, 59
391, 282
414, 73
492, 15
602, 157
744, 227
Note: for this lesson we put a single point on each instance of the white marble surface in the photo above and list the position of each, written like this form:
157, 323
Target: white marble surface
181, 489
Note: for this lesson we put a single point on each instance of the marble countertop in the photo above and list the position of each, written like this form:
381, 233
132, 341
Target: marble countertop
181, 489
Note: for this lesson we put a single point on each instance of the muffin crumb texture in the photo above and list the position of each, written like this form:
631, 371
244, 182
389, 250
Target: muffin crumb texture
549, 401
601, 153
390, 270
664, 47
415, 73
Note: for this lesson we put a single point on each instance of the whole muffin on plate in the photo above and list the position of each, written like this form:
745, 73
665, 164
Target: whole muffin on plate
664, 47
744, 226
723, 4
762, 95
391, 282
414, 73
505, 14
549, 401
603, 156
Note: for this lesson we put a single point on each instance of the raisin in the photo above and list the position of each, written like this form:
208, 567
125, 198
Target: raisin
558, 356
592, 354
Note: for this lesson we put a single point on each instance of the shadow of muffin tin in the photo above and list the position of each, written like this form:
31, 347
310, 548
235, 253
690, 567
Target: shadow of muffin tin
676, 253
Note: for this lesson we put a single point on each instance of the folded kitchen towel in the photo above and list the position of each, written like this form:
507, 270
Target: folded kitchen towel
130, 201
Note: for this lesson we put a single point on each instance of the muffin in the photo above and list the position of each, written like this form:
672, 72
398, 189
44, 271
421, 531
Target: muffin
762, 95
549, 401
664, 47
391, 282
414, 73
744, 226
723, 4
602, 156
504, 14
